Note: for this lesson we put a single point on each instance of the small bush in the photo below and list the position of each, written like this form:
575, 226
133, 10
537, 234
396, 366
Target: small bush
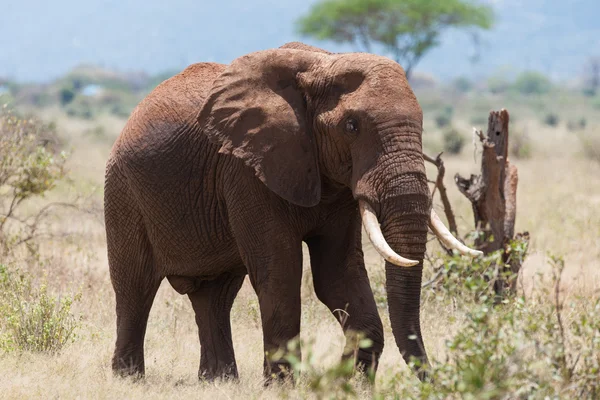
31, 164
80, 109
498, 84
531, 82
579, 124
479, 119
444, 118
120, 110
520, 145
589, 92
473, 280
539, 347
339, 381
463, 84
66, 95
453, 141
551, 119
97, 133
31, 319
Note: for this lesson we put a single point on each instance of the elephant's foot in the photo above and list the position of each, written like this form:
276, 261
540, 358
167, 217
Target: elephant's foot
278, 372
130, 365
365, 362
223, 371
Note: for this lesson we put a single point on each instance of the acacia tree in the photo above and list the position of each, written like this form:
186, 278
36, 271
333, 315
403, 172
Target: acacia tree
406, 29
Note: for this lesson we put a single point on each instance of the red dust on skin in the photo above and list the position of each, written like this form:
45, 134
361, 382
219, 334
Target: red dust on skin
223, 171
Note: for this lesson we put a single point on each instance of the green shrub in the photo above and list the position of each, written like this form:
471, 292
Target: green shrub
531, 82
97, 133
536, 347
66, 95
31, 319
444, 118
120, 110
453, 141
338, 381
520, 145
539, 347
31, 164
589, 92
575, 125
498, 84
473, 280
463, 84
80, 108
479, 119
551, 119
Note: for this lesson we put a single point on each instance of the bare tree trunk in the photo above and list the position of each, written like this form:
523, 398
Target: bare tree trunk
493, 195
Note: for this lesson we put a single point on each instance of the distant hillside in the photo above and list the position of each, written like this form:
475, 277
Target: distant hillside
132, 35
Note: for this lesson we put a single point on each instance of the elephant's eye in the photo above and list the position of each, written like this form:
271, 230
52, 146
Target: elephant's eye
351, 125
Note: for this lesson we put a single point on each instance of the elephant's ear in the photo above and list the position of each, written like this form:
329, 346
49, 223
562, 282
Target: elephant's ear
256, 112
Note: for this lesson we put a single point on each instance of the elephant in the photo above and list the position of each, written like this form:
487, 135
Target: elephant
223, 171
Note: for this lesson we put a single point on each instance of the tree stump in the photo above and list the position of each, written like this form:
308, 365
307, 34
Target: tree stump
493, 196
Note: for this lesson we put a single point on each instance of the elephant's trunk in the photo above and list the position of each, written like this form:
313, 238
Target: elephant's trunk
396, 191
393, 192
404, 221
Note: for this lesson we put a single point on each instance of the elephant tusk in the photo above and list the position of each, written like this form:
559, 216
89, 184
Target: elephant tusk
371, 225
447, 239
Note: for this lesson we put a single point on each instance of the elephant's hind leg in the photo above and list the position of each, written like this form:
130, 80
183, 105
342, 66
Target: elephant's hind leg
134, 279
212, 304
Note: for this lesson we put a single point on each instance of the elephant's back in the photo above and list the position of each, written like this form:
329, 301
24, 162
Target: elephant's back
169, 110
161, 141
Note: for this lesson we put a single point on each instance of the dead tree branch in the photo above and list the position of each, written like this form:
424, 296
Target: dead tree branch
439, 185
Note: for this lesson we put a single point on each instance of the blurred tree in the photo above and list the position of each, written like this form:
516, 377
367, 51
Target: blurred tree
591, 76
407, 29
66, 95
497, 84
532, 82
463, 84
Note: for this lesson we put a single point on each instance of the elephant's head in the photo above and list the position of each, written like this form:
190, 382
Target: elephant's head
299, 117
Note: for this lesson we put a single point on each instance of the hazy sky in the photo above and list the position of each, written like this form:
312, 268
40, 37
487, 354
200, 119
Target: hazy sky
41, 39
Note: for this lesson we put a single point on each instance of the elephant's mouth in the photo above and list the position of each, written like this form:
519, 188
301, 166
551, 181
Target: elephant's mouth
371, 225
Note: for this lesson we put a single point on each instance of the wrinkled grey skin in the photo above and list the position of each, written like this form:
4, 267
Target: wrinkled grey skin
224, 171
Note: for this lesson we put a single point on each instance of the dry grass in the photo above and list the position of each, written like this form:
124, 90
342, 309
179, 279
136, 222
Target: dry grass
558, 202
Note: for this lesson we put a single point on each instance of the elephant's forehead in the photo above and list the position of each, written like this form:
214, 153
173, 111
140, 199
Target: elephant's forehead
386, 75
369, 64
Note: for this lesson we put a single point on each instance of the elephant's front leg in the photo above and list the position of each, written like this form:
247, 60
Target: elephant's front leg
273, 257
342, 284
279, 300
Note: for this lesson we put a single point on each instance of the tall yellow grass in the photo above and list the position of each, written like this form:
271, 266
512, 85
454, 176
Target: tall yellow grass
558, 203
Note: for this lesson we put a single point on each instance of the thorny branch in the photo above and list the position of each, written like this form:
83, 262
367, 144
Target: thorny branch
439, 185
31, 227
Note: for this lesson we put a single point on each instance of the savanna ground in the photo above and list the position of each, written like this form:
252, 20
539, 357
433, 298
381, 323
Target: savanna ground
513, 350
